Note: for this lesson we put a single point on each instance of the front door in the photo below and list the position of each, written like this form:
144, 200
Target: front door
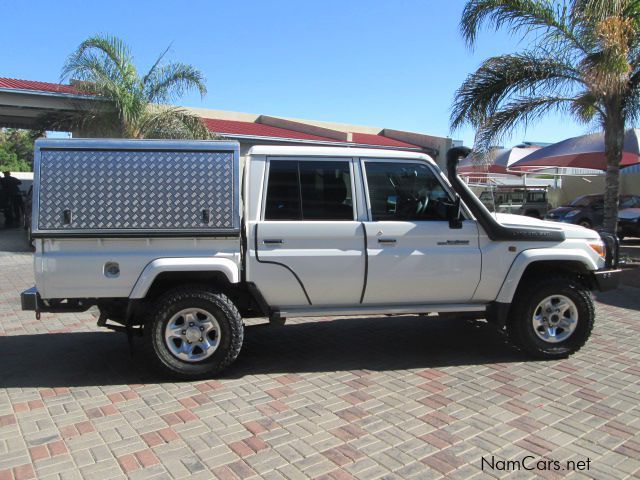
414, 255
309, 248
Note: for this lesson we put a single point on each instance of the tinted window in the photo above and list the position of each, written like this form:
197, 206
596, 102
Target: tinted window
308, 190
405, 191
326, 191
536, 197
283, 192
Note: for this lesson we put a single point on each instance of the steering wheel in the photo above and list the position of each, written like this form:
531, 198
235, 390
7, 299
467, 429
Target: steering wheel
423, 201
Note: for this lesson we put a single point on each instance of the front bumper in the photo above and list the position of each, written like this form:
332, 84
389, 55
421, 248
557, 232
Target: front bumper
607, 279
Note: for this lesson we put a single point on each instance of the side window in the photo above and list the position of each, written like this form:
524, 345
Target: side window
405, 191
309, 190
283, 192
326, 190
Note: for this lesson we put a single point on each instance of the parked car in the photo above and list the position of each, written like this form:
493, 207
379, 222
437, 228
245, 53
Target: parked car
588, 210
629, 222
531, 202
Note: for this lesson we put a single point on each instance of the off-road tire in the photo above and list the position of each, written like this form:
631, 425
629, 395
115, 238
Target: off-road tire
533, 290
217, 304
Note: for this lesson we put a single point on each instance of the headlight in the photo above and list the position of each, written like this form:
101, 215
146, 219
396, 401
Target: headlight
598, 247
572, 213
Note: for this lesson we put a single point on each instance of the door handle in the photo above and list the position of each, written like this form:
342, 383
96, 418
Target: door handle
387, 240
272, 241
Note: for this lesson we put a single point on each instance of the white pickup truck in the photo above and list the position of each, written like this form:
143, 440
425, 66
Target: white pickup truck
178, 241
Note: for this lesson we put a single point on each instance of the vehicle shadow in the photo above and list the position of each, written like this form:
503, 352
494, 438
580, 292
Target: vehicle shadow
625, 296
376, 343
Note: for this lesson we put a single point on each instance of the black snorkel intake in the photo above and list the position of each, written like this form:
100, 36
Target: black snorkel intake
495, 230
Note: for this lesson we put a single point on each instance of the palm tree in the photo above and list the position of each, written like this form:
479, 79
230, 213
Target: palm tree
582, 59
130, 105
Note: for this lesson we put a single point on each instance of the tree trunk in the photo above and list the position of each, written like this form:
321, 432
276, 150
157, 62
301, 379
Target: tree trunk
613, 142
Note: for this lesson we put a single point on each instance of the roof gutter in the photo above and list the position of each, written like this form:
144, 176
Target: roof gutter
44, 93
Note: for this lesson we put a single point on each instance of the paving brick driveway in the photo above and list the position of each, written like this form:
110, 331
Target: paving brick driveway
381, 397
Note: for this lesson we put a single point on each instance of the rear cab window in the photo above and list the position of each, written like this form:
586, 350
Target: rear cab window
308, 190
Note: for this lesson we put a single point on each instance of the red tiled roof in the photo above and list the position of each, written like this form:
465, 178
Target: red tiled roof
217, 125
381, 140
257, 129
15, 84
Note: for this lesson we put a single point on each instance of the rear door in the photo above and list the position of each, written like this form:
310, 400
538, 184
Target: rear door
309, 248
414, 255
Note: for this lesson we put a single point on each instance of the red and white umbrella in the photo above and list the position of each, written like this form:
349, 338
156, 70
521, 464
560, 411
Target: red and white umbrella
499, 161
586, 151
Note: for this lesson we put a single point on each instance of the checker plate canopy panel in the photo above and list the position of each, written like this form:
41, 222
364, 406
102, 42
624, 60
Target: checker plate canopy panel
137, 190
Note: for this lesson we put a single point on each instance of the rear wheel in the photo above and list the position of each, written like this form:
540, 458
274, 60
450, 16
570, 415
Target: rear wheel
551, 317
194, 332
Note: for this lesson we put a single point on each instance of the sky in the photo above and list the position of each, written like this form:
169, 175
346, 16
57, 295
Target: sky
393, 64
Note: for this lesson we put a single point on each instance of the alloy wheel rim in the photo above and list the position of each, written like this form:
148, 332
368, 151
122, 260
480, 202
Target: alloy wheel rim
192, 335
555, 319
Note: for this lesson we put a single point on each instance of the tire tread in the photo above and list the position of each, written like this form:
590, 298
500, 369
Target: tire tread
199, 292
516, 326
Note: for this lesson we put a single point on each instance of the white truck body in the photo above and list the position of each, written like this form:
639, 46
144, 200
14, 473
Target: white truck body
112, 220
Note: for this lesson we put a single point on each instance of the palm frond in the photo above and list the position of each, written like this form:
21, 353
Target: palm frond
520, 111
519, 16
598, 10
174, 122
116, 57
167, 82
586, 108
498, 78
105, 66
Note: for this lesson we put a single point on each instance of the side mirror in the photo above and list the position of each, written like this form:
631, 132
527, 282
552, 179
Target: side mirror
453, 214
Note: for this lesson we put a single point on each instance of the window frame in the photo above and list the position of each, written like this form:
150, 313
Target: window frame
436, 174
267, 173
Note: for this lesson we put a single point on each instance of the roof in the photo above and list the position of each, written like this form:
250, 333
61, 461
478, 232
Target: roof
16, 84
237, 127
221, 126
371, 139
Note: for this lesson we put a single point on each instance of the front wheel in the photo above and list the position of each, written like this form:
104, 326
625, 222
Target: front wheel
551, 317
194, 332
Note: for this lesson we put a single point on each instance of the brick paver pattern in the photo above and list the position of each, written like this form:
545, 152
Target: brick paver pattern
380, 397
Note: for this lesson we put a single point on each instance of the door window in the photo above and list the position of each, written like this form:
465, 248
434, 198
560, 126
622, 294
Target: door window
405, 191
309, 190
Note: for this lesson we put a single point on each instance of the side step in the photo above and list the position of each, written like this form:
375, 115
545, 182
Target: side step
380, 310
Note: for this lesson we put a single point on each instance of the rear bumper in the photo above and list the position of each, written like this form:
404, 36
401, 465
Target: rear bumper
606, 279
30, 300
